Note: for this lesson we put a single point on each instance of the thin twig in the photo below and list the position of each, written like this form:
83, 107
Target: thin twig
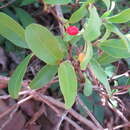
73, 123
7, 4
21, 93
60, 16
39, 96
61, 120
9, 118
119, 113
14, 106
72, 112
37, 115
121, 126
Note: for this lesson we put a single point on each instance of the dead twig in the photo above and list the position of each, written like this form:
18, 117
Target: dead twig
15, 106
118, 112
60, 16
72, 112
74, 124
9, 118
37, 115
61, 120
7, 4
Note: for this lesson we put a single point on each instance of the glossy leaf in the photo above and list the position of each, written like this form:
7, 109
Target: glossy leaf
24, 17
100, 75
92, 32
68, 83
105, 59
61, 2
88, 87
43, 77
78, 14
88, 56
44, 45
122, 17
11, 30
115, 48
15, 83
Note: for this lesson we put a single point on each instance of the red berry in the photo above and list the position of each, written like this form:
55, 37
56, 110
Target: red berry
72, 30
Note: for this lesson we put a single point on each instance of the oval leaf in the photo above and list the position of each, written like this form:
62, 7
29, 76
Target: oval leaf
43, 77
105, 59
115, 48
11, 30
100, 74
78, 14
68, 83
15, 82
43, 44
114, 29
24, 17
92, 32
122, 17
88, 87
55, 2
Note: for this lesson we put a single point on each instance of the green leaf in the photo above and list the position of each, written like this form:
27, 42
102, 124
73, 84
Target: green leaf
114, 29
108, 12
68, 83
115, 48
61, 2
11, 30
88, 56
88, 87
15, 82
99, 112
100, 74
44, 45
78, 14
43, 77
105, 59
24, 17
122, 17
27, 2
107, 3
91, 31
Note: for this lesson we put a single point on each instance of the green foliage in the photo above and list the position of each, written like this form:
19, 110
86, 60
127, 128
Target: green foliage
105, 59
26, 2
88, 87
122, 17
107, 3
57, 1
15, 83
43, 77
100, 74
68, 83
24, 17
99, 48
78, 14
115, 48
11, 30
43, 44
91, 31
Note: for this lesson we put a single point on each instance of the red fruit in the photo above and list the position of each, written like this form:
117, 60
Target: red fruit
72, 30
